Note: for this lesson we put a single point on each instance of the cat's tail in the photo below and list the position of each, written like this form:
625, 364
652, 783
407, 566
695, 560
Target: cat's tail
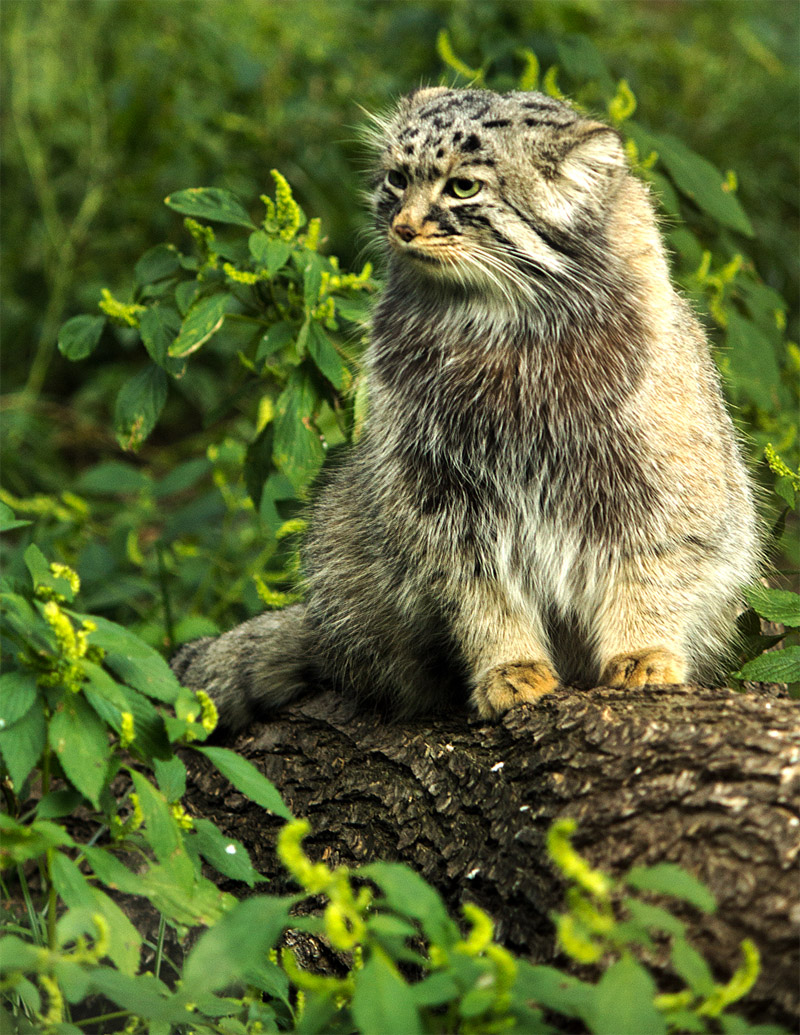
254, 669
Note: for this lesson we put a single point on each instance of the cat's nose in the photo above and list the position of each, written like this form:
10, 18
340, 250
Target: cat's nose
404, 231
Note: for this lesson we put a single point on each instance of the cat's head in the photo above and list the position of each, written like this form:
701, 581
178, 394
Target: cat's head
494, 190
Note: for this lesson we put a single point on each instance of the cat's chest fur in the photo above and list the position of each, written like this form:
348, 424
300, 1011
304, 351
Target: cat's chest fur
505, 427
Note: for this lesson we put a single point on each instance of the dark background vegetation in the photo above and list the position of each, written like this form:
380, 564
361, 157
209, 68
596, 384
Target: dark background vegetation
110, 105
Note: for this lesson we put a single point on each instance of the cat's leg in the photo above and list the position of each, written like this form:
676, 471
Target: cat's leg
640, 630
503, 642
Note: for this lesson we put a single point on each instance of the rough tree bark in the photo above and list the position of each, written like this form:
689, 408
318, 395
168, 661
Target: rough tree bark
709, 779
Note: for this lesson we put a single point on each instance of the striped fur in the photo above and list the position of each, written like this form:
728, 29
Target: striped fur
548, 488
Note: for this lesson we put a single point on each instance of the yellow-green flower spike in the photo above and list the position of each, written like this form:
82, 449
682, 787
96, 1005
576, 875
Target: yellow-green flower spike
119, 311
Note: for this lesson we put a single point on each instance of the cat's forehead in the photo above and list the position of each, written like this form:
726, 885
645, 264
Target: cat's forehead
472, 122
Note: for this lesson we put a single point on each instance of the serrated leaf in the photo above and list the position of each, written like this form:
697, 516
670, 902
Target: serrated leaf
776, 666
776, 605
382, 1001
408, 894
237, 947
21, 745
695, 177
171, 776
80, 741
161, 828
133, 660
624, 1002
18, 691
139, 405
247, 779
212, 203
124, 941
58, 803
322, 351
297, 449
203, 320
227, 855
79, 336
670, 879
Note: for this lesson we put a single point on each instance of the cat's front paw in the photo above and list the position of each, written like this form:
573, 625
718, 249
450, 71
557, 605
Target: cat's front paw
506, 686
654, 666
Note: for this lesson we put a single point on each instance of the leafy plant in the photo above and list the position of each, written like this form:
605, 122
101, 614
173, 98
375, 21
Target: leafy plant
84, 717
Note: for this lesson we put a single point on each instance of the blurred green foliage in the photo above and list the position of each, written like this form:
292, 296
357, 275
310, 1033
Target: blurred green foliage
113, 105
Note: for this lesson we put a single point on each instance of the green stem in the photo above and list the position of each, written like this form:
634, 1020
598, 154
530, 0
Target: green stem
169, 624
52, 897
162, 927
36, 933
102, 1017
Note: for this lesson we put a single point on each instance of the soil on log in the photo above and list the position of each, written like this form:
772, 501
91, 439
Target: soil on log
709, 779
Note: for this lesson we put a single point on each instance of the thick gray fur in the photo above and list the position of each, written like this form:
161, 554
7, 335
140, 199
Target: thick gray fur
548, 487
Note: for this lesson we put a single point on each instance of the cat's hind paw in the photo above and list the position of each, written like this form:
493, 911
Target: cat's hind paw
506, 686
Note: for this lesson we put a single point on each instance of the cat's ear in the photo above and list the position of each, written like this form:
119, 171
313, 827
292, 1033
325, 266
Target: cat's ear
596, 159
424, 94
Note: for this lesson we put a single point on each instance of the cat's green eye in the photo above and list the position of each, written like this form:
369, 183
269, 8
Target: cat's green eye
463, 188
397, 179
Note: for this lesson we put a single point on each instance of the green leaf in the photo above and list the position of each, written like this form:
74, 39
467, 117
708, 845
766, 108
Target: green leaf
15, 954
268, 252
133, 660
227, 855
408, 894
139, 405
237, 947
7, 520
321, 350
203, 320
776, 605
695, 177
777, 666
21, 745
80, 741
382, 1001
20, 841
297, 449
554, 990
161, 828
41, 575
79, 336
156, 264
159, 326
749, 363
624, 1002
18, 691
247, 779
171, 775
124, 941
435, 990
142, 995
113, 477
58, 803
212, 203
690, 965
654, 918
277, 337
670, 879
312, 280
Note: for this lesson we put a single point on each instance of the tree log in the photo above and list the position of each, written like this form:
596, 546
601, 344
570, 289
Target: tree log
709, 779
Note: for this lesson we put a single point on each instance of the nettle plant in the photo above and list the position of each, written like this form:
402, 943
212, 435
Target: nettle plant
91, 720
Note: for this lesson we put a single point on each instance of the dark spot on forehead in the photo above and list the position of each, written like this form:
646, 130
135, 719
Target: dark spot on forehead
409, 149
472, 143
457, 136
440, 152
409, 133
496, 123
558, 123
